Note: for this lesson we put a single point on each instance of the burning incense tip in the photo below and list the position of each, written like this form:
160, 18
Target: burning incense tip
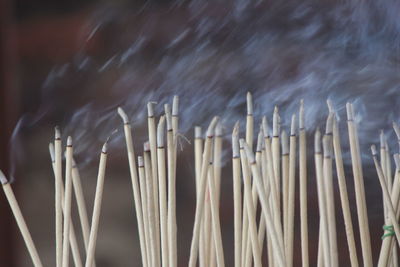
382, 139
150, 109
327, 145
218, 130
146, 146
160, 131
140, 162
69, 141
264, 124
329, 124
104, 148
301, 114
52, 153
235, 140
260, 140
123, 115
197, 132
349, 109
3, 179
249, 153
211, 127
330, 106
249, 104
275, 122
175, 106
285, 144
317, 141
57, 134
373, 150
293, 125
167, 111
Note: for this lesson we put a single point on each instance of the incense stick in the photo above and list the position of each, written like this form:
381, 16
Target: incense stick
275, 146
67, 202
285, 182
23, 228
58, 204
249, 120
135, 186
96, 208
237, 194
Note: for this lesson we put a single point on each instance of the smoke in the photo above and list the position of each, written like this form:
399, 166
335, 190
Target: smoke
212, 53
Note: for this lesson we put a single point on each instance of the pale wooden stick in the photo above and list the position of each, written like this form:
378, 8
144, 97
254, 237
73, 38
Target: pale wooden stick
23, 228
289, 233
383, 166
175, 129
344, 196
172, 227
58, 203
330, 199
200, 200
151, 122
359, 188
389, 204
396, 128
67, 202
237, 195
285, 182
150, 205
387, 242
321, 198
249, 120
275, 145
395, 257
276, 237
72, 236
162, 191
144, 208
96, 208
250, 207
135, 186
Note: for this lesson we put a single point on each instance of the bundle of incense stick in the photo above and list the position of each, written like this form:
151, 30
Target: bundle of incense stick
263, 194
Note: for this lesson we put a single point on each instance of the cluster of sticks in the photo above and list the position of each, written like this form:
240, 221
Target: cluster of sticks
269, 179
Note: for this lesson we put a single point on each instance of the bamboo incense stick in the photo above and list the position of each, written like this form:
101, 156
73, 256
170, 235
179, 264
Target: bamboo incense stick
172, 227
275, 145
250, 207
23, 228
67, 202
144, 208
200, 200
285, 181
58, 204
237, 194
249, 120
72, 235
359, 188
151, 122
150, 205
396, 128
385, 191
344, 198
276, 236
321, 198
96, 208
383, 166
162, 190
135, 186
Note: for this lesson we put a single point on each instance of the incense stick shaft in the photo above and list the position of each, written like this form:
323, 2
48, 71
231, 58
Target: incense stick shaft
58, 204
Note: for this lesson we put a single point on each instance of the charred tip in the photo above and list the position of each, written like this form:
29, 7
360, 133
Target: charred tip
150, 109
330, 106
329, 124
3, 179
235, 141
241, 143
260, 140
317, 141
146, 146
275, 122
249, 153
57, 133
197, 132
175, 106
350, 113
105, 147
211, 127
236, 128
373, 150
52, 152
123, 115
301, 114
327, 145
218, 130
285, 143
160, 131
249, 101
293, 125
264, 124
140, 161
382, 139
167, 111
69, 141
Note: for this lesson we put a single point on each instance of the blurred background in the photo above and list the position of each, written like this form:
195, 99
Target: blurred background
72, 63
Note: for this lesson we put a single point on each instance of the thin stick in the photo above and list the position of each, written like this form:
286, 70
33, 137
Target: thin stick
249, 120
151, 122
275, 145
67, 202
387, 241
359, 188
143, 194
321, 198
58, 204
237, 194
250, 207
150, 205
389, 204
396, 128
383, 166
344, 196
289, 233
135, 186
96, 208
23, 228
172, 228
285, 182
162, 190
200, 200
276, 237
72, 236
